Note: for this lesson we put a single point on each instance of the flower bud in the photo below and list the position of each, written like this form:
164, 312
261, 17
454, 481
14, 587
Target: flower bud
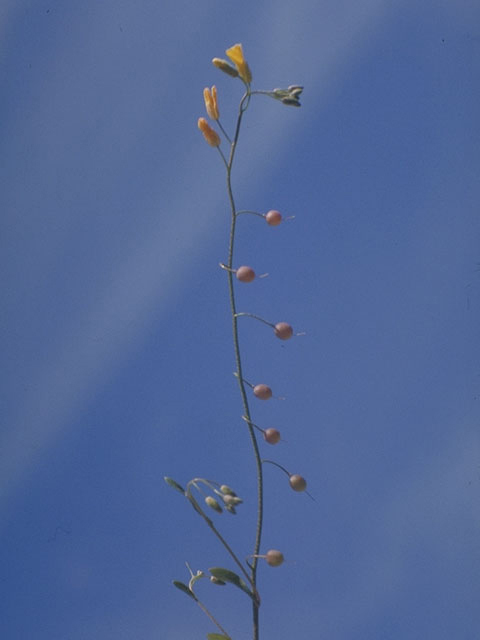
262, 391
211, 103
230, 508
298, 483
245, 274
209, 134
274, 558
217, 581
225, 489
232, 500
225, 67
295, 89
278, 94
213, 504
283, 330
292, 102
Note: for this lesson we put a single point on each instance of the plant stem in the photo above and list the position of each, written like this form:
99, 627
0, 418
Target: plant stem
236, 345
252, 315
211, 616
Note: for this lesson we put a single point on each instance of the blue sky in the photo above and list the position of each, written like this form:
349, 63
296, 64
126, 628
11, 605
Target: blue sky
115, 340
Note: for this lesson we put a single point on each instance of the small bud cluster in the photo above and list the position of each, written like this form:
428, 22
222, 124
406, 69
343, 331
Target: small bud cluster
228, 499
289, 96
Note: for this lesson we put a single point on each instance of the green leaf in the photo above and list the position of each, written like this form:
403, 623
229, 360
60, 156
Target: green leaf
171, 482
217, 636
183, 587
229, 576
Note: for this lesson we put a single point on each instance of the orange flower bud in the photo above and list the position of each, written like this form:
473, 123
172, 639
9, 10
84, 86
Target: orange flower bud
225, 67
211, 104
235, 54
209, 134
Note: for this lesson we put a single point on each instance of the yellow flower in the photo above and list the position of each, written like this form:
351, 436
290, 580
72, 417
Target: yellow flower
235, 54
209, 134
211, 103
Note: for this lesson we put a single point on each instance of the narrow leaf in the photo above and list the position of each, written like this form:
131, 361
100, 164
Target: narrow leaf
171, 482
229, 576
183, 587
217, 636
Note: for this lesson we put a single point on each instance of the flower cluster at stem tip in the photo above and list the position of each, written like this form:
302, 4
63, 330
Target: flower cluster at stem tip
289, 96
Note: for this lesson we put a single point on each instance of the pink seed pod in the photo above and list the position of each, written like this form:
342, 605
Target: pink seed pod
298, 483
283, 330
273, 218
271, 435
262, 391
274, 558
245, 274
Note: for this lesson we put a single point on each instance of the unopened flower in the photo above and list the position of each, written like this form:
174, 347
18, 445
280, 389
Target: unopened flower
210, 135
211, 103
235, 54
291, 102
213, 504
226, 490
232, 501
290, 96
225, 67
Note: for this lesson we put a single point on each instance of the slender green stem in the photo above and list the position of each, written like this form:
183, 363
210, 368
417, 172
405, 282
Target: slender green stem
278, 465
211, 616
254, 213
236, 345
223, 131
252, 315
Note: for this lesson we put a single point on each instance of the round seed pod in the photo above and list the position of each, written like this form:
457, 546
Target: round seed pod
298, 483
262, 391
271, 435
245, 274
273, 218
274, 558
283, 330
